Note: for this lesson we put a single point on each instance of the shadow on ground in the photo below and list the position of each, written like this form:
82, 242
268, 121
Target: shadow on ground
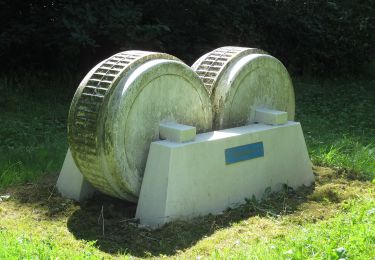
110, 222
120, 233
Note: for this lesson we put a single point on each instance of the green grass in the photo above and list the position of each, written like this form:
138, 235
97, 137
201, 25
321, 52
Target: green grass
309, 223
32, 129
348, 236
335, 219
338, 119
21, 246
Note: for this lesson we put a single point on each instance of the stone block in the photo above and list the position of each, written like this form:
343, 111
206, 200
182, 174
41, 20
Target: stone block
270, 117
176, 132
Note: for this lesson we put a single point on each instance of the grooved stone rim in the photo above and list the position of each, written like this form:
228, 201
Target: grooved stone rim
100, 137
211, 66
84, 120
222, 72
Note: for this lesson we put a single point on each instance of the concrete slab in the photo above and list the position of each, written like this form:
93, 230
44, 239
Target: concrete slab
186, 180
71, 183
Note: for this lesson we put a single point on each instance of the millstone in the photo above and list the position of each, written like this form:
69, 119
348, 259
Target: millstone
239, 80
116, 111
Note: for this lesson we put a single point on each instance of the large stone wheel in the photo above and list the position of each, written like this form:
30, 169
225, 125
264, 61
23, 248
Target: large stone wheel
116, 111
240, 80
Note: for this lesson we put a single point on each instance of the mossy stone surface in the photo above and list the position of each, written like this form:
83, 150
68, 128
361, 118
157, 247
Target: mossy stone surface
240, 80
116, 111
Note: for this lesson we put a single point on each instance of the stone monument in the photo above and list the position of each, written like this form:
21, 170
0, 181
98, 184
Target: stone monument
184, 142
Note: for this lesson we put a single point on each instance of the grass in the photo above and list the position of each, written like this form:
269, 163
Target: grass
32, 129
338, 118
332, 220
346, 236
337, 215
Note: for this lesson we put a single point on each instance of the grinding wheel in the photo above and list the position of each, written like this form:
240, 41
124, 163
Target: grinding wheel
116, 111
240, 80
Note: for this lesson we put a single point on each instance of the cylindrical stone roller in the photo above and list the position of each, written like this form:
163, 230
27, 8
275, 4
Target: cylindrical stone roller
240, 80
116, 111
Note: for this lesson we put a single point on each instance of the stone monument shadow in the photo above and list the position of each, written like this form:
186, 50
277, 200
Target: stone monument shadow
120, 232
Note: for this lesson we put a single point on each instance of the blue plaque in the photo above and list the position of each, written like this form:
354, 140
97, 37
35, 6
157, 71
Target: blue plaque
244, 152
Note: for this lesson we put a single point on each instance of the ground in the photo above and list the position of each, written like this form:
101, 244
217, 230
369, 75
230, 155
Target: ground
35, 219
333, 219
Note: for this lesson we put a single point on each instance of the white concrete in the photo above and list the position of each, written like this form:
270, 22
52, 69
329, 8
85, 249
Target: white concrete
176, 132
186, 180
71, 183
270, 117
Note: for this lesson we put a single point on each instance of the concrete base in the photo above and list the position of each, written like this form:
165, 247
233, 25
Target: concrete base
71, 183
219, 170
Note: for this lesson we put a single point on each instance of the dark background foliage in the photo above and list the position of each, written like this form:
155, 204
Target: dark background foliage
313, 36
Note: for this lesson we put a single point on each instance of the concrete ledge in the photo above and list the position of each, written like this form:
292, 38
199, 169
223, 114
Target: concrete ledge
270, 117
176, 132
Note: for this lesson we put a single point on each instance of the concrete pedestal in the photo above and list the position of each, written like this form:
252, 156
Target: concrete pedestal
219, 170
71, 183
